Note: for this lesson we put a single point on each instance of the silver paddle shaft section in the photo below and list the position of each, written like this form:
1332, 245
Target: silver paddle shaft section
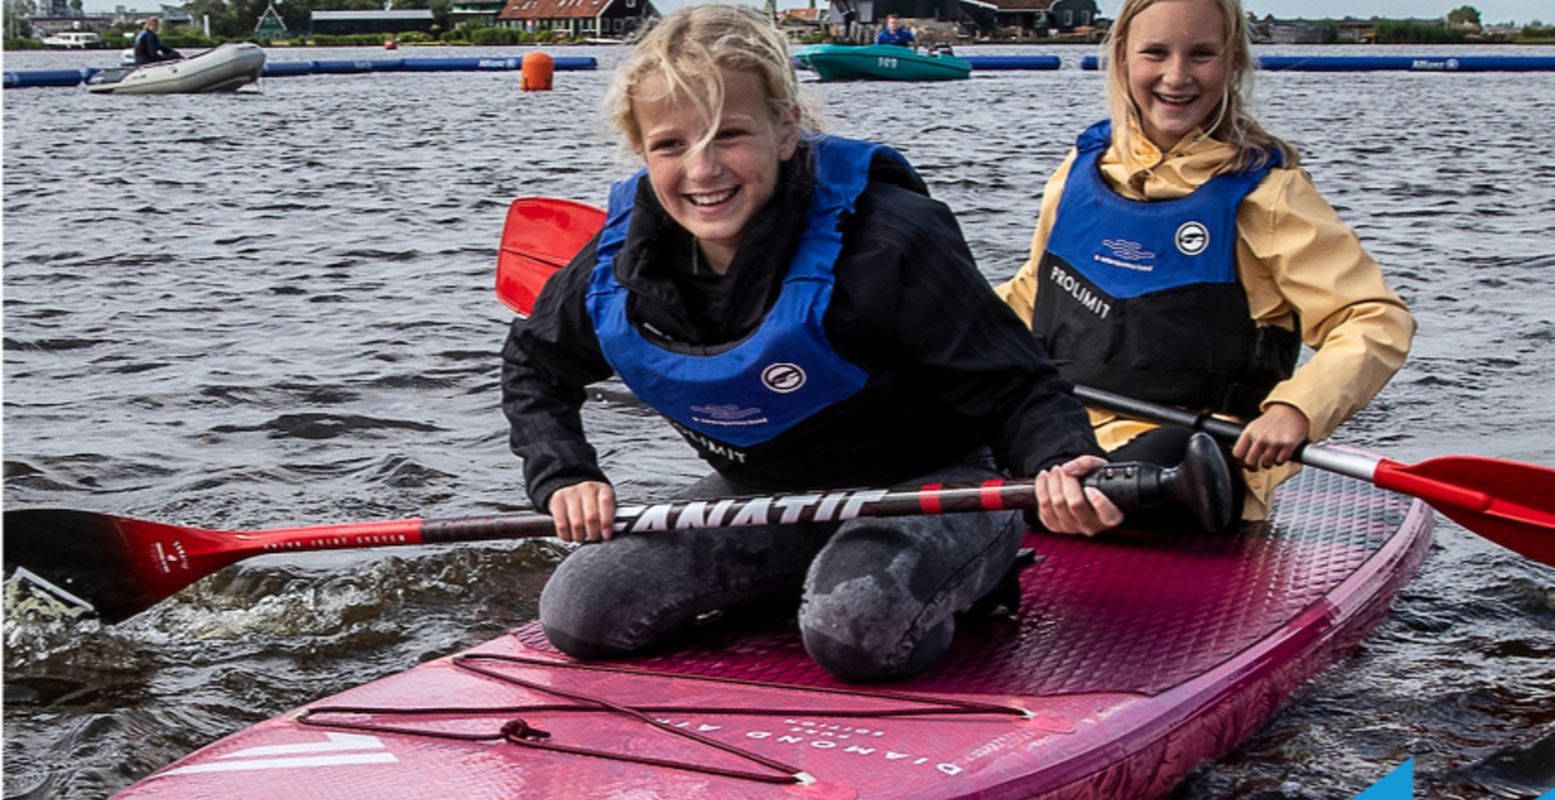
1355, 465
1343, 462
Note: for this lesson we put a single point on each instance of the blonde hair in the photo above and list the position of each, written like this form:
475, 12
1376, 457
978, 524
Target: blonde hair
690, 49
1230, 121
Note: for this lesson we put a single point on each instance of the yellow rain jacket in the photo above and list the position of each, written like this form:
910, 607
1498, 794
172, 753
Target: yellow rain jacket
1295, 258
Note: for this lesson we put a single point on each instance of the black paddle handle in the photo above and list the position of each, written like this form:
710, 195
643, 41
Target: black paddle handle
477, 529
1223, 430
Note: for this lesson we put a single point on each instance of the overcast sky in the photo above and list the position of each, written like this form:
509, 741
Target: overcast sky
1519, 11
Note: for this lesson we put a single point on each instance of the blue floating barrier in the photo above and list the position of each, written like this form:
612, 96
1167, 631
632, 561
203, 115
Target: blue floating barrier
25, 78
576, 63
1408, 63
345, 67
1013, 62
500, 63
442, 64
493, 63
21, 78
282, 69
1394, 63
1506, 64
1333, 63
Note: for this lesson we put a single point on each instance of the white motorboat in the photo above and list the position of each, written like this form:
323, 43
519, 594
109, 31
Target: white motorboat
72, 40
222, 69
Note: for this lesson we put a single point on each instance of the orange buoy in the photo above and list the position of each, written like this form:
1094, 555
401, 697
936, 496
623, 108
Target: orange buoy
535, 75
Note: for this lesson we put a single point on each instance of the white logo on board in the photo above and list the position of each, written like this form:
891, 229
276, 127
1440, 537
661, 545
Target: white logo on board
338, 749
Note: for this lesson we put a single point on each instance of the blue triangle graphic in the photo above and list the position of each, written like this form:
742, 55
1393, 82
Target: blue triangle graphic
1398, 785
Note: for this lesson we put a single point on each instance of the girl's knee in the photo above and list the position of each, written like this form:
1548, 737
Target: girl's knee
609, 630
872, 627
864, 647
586, 613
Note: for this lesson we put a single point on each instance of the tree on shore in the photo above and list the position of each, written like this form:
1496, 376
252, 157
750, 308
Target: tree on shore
1462, 15
18, 19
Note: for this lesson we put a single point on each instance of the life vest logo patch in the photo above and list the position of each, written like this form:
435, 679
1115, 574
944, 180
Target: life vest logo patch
1192, 238
783, 377
728, 412
1125, 248
1126, 254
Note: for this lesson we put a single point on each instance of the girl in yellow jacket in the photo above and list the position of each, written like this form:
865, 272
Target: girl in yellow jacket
1182, 256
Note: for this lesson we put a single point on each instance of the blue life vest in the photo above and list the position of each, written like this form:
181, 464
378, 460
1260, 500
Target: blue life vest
1144, 298
781, 374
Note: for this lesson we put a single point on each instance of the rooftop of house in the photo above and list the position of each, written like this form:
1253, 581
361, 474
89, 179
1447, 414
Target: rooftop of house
1023, 5
552, 9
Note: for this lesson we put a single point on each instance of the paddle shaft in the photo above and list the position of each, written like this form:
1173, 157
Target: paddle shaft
1354, 465
777, 509
1481, 494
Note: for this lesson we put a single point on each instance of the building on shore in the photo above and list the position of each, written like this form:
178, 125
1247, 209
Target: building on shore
342, 23
801, 22
1046, 17
859, 19
171, 14
270, 25
480, 13
586, 19
45, 27
1292, 31
54, 16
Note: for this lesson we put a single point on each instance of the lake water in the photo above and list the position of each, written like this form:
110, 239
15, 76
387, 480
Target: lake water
275, 308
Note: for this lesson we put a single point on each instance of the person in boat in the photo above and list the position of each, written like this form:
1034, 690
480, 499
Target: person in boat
894, 33
148, 45
1181, 255
781, 297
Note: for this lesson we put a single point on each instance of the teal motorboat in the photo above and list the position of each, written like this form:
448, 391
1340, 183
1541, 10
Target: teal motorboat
882, 62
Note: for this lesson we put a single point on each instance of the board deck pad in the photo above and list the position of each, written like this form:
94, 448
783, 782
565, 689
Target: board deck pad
1133, 657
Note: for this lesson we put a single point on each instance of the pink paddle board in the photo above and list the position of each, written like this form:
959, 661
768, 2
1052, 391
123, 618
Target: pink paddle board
1132, 659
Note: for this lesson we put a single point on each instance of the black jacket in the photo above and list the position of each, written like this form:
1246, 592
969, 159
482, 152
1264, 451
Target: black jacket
952, 368
149, 48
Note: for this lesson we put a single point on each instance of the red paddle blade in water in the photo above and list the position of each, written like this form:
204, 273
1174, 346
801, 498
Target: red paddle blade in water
1508, 502
112, 566
117, 567
540, 236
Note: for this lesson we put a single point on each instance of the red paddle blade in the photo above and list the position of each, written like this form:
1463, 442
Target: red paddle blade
1507, 502
115, 567
540, 236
